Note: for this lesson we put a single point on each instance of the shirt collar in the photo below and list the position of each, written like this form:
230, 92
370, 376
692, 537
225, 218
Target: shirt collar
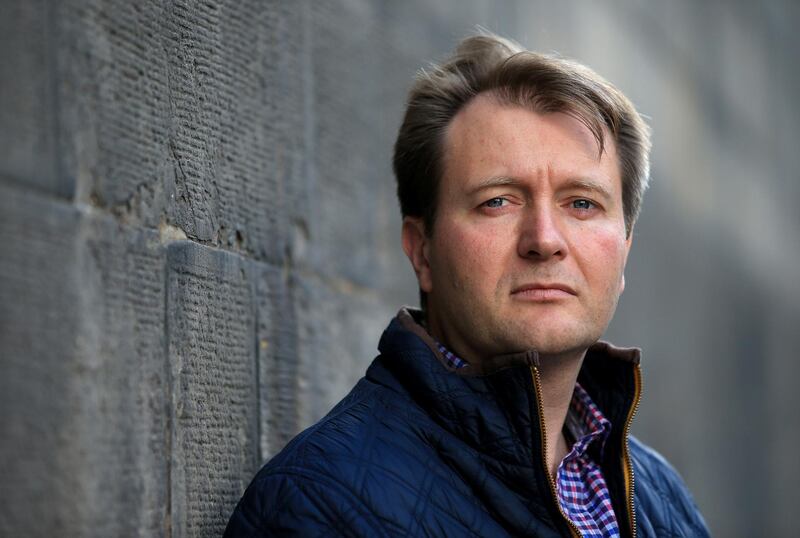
585, 422
452, 360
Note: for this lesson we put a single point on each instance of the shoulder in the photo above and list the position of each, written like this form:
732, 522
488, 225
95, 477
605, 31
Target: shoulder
297, 501
664, 503
325, 481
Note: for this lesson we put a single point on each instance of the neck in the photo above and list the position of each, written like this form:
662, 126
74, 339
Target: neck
558, 376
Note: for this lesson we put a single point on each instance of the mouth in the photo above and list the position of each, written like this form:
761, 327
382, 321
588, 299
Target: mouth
543, 291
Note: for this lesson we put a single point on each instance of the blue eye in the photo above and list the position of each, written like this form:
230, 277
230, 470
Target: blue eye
495, 202
582, 204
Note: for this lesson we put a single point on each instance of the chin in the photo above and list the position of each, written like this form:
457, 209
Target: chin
556, 340
561, 348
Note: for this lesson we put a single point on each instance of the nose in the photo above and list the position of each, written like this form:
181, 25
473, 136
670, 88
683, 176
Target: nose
540, 235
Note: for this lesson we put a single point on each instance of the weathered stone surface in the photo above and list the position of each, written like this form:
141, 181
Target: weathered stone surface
225, 130
351, 142
211, 337
125, 427
115, 114
39, 330
83, 374
27, 97
277, 359
338, 328
190, 112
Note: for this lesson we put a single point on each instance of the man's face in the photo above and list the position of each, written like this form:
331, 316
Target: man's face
529, 244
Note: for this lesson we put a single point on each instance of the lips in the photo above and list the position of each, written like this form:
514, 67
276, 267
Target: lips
544, 290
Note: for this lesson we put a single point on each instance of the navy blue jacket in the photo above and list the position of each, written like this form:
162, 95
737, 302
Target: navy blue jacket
417, 449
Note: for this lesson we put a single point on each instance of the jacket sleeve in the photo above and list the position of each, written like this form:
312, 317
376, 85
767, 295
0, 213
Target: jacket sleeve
299, 503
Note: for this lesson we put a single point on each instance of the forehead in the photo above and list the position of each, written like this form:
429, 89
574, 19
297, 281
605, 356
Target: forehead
487, 137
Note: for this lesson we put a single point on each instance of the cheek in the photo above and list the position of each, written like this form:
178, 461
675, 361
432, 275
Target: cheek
471, 257
605, 258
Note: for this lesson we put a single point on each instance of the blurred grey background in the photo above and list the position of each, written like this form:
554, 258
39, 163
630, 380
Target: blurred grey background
199, 240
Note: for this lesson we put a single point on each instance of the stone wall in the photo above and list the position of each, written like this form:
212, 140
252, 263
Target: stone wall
199, 240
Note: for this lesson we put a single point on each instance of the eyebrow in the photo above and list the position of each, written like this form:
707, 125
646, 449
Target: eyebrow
494, 181
589, 185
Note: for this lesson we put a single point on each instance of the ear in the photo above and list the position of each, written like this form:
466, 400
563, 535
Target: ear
416, 244
628, 243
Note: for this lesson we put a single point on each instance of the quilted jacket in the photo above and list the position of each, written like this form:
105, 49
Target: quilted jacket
417, 449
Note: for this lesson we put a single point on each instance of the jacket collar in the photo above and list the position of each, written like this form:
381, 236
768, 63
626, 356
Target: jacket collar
493, 406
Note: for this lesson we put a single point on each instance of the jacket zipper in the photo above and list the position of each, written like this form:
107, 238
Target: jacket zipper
537, 382
626, 459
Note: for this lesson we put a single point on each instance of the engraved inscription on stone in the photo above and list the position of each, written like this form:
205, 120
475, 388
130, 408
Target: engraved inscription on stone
211, 327
277, 360
126, 428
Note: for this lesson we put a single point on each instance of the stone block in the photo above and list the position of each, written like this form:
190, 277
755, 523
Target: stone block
39, 329
277, 359
28, 152
83, 381
211, 322
125, 426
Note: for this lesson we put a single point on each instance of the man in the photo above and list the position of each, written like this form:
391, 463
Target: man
495, 411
